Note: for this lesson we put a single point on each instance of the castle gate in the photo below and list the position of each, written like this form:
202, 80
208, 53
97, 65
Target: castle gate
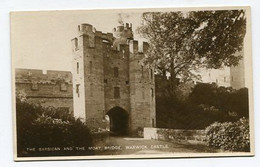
118, 118
108, 72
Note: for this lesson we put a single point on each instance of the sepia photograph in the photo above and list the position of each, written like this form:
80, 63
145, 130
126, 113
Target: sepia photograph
132, 83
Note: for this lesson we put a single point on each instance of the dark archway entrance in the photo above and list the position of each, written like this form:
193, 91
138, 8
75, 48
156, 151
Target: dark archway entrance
118, 118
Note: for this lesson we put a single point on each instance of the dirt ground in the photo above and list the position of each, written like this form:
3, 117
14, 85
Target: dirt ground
128, 146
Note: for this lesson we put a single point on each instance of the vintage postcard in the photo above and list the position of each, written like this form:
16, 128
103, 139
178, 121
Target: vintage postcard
132, 83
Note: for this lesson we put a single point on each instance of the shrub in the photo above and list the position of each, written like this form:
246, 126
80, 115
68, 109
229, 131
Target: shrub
225, 99
198, 106
229, 136
186, 115
39, 127
96, 125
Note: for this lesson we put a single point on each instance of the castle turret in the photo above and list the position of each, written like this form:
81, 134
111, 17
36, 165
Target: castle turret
123, 34
110, 79
88, 73
142, 88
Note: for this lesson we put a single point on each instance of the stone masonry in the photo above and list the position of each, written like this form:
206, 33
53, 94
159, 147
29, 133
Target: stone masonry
233, 76
53, 88
108, 74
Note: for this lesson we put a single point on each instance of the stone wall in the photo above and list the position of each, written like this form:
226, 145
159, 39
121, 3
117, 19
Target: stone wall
219, 76
117, 60
142, 90
44, 90
50, 88
233, 76
103, 64
175, 135
238, 74
93, 77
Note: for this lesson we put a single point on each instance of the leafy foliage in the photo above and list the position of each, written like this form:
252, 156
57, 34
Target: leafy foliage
39, 127
185, 115
97, 125
229, 136
182, 42
219, 36
204, 104
225, 99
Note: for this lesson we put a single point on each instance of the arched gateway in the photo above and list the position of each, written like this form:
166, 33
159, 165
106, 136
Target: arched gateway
108, 72
118, 118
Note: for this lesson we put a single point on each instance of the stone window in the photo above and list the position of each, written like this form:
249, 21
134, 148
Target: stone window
63, 87
90, 67
116, 92
77, 67
76, 44
35, 86
152, 94
105, 80
151, 72
127, 82
153, 123
115, 71
77, 89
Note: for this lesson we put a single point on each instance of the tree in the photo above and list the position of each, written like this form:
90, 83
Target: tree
181, 42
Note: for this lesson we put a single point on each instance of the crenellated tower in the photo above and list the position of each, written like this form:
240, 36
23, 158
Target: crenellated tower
109, 78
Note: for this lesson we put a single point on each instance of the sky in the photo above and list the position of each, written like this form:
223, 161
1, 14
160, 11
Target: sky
42, 40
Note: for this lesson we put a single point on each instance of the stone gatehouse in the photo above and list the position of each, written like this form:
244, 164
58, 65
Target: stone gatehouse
109, 78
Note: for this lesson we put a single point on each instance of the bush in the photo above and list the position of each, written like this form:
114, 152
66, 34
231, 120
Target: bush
39, 127
198, 106
96, 125
229, 136
186, 115
225, 99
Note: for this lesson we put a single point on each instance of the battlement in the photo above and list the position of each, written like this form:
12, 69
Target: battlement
88, 29
107, 36
85, 28
123, 35
123, 32
134, 46
122, 42
123, 27
108, 73
43, 77
39, 85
